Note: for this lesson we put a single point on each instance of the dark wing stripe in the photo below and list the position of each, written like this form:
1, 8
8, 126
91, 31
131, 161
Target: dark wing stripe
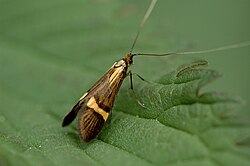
72, 114
104, 107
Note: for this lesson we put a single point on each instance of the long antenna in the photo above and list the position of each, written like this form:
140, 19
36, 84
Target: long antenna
150, 8
227, 47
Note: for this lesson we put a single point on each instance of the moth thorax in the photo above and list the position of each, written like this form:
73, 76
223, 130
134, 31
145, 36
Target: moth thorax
120, 63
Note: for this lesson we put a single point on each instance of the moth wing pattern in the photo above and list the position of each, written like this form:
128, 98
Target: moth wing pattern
101, 96
73, 113
90, 123
93, 107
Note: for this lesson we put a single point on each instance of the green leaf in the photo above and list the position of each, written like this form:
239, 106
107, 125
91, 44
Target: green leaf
179, 124
51, 52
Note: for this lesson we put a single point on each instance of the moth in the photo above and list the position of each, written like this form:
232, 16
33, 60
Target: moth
94, 107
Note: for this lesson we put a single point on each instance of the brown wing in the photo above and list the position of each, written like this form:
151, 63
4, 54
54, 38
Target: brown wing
103, 92
106, 89
90, 123
72, 114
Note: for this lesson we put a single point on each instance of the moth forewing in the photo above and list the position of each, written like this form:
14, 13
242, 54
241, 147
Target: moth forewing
73, 113
93, 107
90, 123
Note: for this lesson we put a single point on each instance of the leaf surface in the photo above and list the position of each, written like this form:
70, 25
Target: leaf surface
51, 52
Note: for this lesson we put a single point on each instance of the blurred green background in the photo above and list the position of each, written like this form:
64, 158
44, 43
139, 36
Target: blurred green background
51, 51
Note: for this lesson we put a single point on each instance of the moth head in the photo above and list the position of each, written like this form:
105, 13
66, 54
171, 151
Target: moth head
128, 59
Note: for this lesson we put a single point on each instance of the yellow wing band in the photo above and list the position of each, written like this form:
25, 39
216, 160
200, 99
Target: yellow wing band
92, 104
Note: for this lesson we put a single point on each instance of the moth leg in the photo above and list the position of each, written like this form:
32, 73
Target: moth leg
130, 78
130, 74
140, 77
